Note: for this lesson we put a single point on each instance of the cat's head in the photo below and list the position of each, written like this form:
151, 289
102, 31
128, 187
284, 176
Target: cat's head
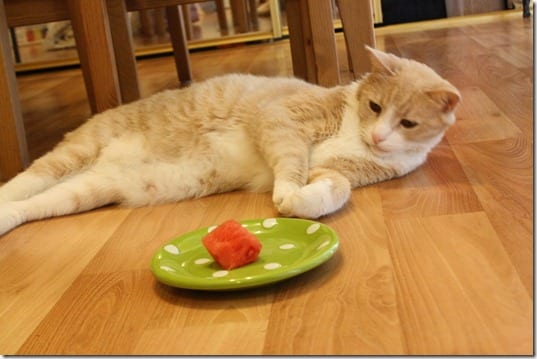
404, 106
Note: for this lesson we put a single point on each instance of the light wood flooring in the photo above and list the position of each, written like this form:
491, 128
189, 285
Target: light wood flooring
437, 262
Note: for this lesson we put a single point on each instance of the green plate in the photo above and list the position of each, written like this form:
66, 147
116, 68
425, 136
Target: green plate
290, 247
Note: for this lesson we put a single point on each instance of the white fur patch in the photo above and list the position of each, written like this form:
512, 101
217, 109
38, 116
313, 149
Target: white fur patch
311, 201
10, 217
346, 141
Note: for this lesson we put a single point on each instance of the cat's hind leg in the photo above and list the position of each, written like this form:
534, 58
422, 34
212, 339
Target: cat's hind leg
71, 156
76, 194
24, 185
326, 192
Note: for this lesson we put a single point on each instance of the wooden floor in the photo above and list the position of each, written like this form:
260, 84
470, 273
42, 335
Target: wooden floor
437, 262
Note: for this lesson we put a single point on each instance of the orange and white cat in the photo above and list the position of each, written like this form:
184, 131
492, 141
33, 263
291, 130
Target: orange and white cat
310, 145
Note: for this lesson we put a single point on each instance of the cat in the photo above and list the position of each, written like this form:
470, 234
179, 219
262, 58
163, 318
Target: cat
309, 144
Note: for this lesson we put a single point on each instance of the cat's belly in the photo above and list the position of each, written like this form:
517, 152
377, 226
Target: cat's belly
240, 164
230, 163
169, 182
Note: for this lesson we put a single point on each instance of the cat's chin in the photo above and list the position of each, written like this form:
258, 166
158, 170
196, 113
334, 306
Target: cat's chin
383, 152
378, 151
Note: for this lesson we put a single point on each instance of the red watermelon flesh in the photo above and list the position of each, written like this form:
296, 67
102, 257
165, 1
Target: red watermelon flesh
231, 245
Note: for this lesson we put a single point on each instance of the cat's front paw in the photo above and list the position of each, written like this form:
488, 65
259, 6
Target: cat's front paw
311, 201
295, 205
282, 190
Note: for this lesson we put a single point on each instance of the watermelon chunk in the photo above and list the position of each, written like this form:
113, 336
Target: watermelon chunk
231, 245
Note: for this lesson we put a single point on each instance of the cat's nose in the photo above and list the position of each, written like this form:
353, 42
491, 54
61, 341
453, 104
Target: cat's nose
377, 138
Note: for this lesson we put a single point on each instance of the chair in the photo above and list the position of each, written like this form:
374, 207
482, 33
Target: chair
312, 38
243, 13
123, 46
90, 25
311, 33
109, 66
106, 54
358, 30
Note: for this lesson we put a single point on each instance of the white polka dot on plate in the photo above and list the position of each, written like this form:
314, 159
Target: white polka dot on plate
270, 222
324, 244
202, 261
287, 246
220, 273
211, 228
271, 266
313, 228
167, 269
170, 248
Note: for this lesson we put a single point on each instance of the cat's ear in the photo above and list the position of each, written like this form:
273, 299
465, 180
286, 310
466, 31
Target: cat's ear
383, 62
448, 97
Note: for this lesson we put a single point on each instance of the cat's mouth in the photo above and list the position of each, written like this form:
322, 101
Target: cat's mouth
377, 150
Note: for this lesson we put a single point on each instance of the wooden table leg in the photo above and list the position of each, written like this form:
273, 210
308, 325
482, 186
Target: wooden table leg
94, 44
357, 20
313, 43
13, 148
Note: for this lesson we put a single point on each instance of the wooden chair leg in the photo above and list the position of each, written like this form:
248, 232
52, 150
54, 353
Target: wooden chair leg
159, 21
240, 15
94, 46
187, 21
313, 43
358, 30
13, 147
297, 39
123, 50
526, 8
146, 23
179, 43
252, 14
222, 19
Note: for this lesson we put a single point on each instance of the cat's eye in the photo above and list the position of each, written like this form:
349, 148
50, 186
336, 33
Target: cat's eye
407, 123
375, 107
